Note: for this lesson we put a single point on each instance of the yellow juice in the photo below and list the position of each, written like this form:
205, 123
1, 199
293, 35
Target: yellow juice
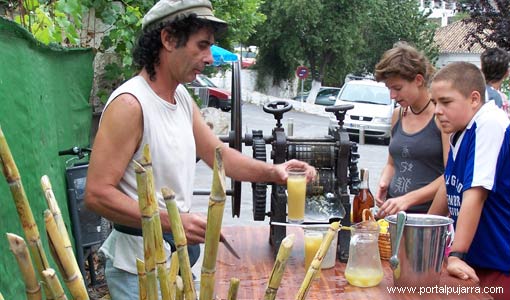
296, 190
313, 242
364, 277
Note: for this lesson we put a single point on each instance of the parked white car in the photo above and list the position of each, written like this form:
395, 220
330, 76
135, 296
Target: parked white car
372, 110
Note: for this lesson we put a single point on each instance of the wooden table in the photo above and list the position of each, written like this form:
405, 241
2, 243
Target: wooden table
254, 268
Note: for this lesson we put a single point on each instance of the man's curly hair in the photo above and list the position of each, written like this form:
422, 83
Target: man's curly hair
148, 45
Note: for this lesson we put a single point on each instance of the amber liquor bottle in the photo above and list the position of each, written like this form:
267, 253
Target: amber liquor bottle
364, 199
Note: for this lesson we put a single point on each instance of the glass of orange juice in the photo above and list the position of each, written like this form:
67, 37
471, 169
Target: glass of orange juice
313, 240
296, 194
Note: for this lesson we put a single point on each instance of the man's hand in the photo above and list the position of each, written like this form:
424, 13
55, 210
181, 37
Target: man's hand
459, 268
194, 228
282, 170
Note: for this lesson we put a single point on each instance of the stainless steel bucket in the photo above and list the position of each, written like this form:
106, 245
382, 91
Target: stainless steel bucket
421, 250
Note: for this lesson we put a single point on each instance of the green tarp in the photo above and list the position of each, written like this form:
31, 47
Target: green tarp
44, 108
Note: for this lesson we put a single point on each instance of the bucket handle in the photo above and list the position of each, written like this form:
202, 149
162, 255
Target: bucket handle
450, 233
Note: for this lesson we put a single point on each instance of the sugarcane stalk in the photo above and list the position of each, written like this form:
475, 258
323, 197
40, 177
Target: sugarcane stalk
70, 274
13, 178
54, 284
173, 272
180, 243
142, 279
160, 254
317, 260
179, 288
57, 215
233, 288
217, 200
279, 267
20, 251
149, 245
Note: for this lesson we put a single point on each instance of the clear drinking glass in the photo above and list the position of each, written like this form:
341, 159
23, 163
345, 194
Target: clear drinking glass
296, 194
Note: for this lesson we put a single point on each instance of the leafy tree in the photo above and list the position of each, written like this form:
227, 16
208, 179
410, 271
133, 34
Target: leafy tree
60, 21
392, 21
57, 22
490, 20
336, 37
316, 33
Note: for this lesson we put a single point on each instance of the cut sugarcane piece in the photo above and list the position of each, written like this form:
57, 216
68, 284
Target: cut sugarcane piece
179, 288
54, 284
57, 215
142, 280
13, 178
149, 246
70, 273
20, 251
215, 211
180, 243
279, 267
153, 210
233, 288
173, 272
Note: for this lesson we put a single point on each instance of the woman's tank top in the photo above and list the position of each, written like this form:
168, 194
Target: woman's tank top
418, 160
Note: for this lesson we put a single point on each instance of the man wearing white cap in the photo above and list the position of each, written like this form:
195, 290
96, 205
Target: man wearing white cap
154, 108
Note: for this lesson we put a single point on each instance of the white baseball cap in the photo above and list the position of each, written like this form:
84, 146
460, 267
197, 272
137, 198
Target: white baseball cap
167, 10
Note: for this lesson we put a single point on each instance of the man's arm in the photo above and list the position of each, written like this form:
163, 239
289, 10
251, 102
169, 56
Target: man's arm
237, 165
116, 141
440, 203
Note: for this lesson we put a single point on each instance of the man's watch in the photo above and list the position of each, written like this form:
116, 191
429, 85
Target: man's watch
461, 255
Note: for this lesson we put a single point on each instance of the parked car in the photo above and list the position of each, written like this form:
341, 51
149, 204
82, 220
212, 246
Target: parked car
326, 96
248, 59
373, 109
218, 98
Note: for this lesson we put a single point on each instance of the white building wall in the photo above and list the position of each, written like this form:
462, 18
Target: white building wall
446, 58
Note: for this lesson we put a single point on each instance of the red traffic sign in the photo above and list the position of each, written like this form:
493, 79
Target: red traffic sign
302, 72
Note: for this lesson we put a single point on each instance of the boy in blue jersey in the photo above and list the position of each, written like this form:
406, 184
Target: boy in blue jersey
477, 176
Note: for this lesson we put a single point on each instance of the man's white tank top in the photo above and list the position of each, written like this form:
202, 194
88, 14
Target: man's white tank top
168, 130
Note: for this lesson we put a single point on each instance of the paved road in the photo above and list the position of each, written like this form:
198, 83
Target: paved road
372, 156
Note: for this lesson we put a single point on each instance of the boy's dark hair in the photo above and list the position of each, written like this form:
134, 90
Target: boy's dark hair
494, 63
405, 61
464, 77
148, 44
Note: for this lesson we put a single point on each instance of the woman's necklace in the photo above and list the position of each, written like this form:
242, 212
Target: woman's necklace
421, 110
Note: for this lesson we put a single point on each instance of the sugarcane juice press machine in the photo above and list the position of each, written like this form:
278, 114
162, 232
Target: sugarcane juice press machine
333, 155
335, 159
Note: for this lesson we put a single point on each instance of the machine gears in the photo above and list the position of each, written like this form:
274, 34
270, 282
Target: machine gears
259, 189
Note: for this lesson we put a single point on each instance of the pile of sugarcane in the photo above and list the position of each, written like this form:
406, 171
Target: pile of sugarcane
175, 278
58, 238
153, 243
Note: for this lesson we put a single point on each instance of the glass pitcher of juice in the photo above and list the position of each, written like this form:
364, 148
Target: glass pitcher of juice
364, 267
